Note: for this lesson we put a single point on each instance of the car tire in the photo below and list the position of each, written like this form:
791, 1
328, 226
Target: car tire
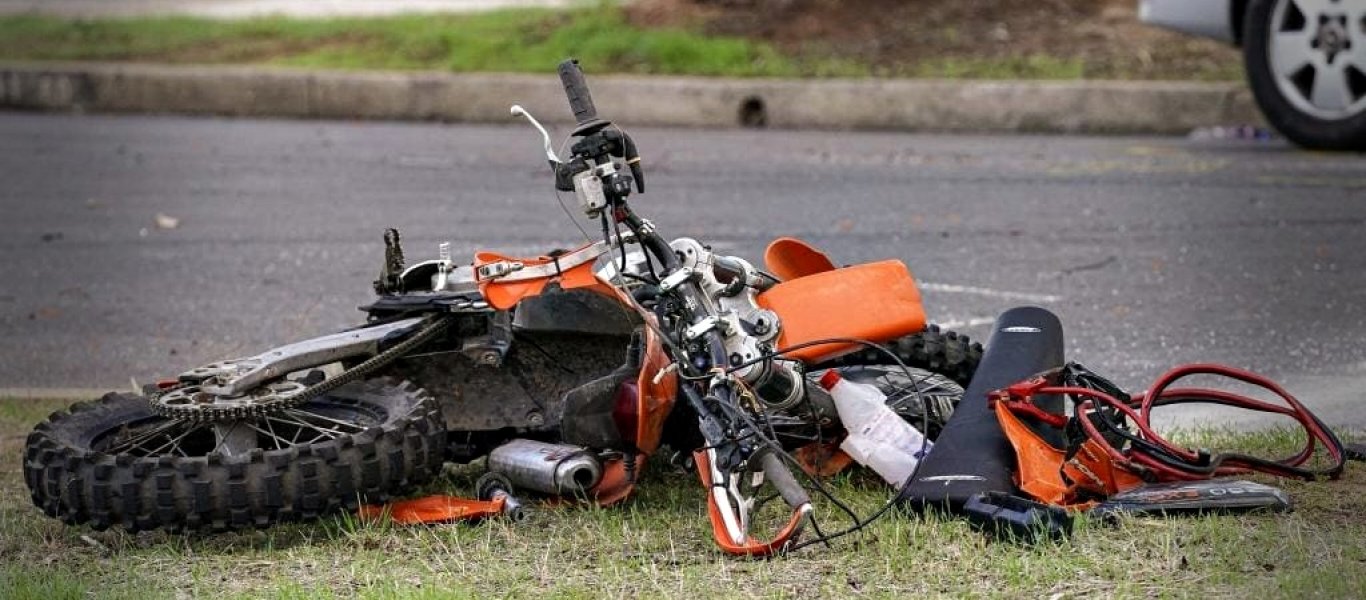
1310, 83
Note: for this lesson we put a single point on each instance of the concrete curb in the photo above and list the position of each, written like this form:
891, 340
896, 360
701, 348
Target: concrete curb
921, 105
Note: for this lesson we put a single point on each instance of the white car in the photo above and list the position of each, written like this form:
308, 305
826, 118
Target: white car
1305, 60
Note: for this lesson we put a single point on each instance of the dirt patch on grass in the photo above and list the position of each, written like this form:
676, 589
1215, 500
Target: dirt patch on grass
1059, 38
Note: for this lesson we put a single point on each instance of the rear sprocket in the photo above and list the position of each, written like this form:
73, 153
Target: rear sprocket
195, 401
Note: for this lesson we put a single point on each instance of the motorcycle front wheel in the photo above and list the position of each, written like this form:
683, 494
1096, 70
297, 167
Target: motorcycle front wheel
116, 463
939, 365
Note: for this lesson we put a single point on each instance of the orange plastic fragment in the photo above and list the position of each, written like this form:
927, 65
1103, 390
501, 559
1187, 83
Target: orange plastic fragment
750, 546
1040, 467
505, 293
616, 484
433, 509
822, 460
791, 258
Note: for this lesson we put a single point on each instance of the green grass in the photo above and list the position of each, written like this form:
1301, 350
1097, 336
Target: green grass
659, 545
527, 40
524, 40
598, 33
535, 40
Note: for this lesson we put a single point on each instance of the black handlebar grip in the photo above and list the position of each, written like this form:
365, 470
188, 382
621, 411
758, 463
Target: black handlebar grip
580, 101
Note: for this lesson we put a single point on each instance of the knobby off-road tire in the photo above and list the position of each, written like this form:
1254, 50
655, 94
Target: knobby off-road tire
941, 364
387, 437
947, 353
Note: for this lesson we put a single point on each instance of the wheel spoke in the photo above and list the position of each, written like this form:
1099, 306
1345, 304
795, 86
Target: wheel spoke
174, 442
1330, 88
270, 434
302, 424
1290, 51
1356, 56
274, 436
1311, 8
232, 443
138, 439
299, 414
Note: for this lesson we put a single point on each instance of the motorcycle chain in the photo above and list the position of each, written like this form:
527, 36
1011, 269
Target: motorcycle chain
209, 413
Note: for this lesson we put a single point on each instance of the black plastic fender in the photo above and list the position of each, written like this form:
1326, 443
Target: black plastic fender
972, 455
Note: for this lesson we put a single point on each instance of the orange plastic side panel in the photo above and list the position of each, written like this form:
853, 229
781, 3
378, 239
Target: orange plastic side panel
503, 294
656, 399
875, 301
791, 258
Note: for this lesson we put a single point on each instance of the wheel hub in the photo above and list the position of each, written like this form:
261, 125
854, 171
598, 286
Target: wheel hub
1332, 38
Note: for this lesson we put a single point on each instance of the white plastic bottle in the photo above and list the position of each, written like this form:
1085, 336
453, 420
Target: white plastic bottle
878, 437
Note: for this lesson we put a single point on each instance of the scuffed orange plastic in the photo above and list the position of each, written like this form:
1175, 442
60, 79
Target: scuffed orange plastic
504, 294
656, 399
750, 546
616, 484
791, 258
822, 459
434, 509
1040, 467
877, 302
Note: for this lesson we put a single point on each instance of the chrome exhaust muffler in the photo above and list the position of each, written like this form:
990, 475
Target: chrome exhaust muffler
555, 469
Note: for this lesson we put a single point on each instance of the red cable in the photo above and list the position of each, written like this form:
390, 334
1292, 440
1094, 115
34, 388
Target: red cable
1296, 410
1196, 465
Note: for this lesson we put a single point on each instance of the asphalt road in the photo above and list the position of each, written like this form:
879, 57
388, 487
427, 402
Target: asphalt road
1154, 251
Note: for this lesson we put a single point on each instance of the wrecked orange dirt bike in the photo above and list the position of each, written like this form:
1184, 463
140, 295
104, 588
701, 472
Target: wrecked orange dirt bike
564, 371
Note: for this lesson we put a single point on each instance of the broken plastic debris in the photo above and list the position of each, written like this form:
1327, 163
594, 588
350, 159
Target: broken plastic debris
1240, 132
165, 221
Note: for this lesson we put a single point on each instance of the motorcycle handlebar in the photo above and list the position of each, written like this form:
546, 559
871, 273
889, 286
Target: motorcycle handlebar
576, 89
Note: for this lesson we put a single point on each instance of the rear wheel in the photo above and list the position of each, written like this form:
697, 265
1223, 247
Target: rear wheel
115, 462
1306, 64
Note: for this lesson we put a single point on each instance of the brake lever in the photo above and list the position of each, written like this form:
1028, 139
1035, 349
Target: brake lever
518, 111
633, 161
